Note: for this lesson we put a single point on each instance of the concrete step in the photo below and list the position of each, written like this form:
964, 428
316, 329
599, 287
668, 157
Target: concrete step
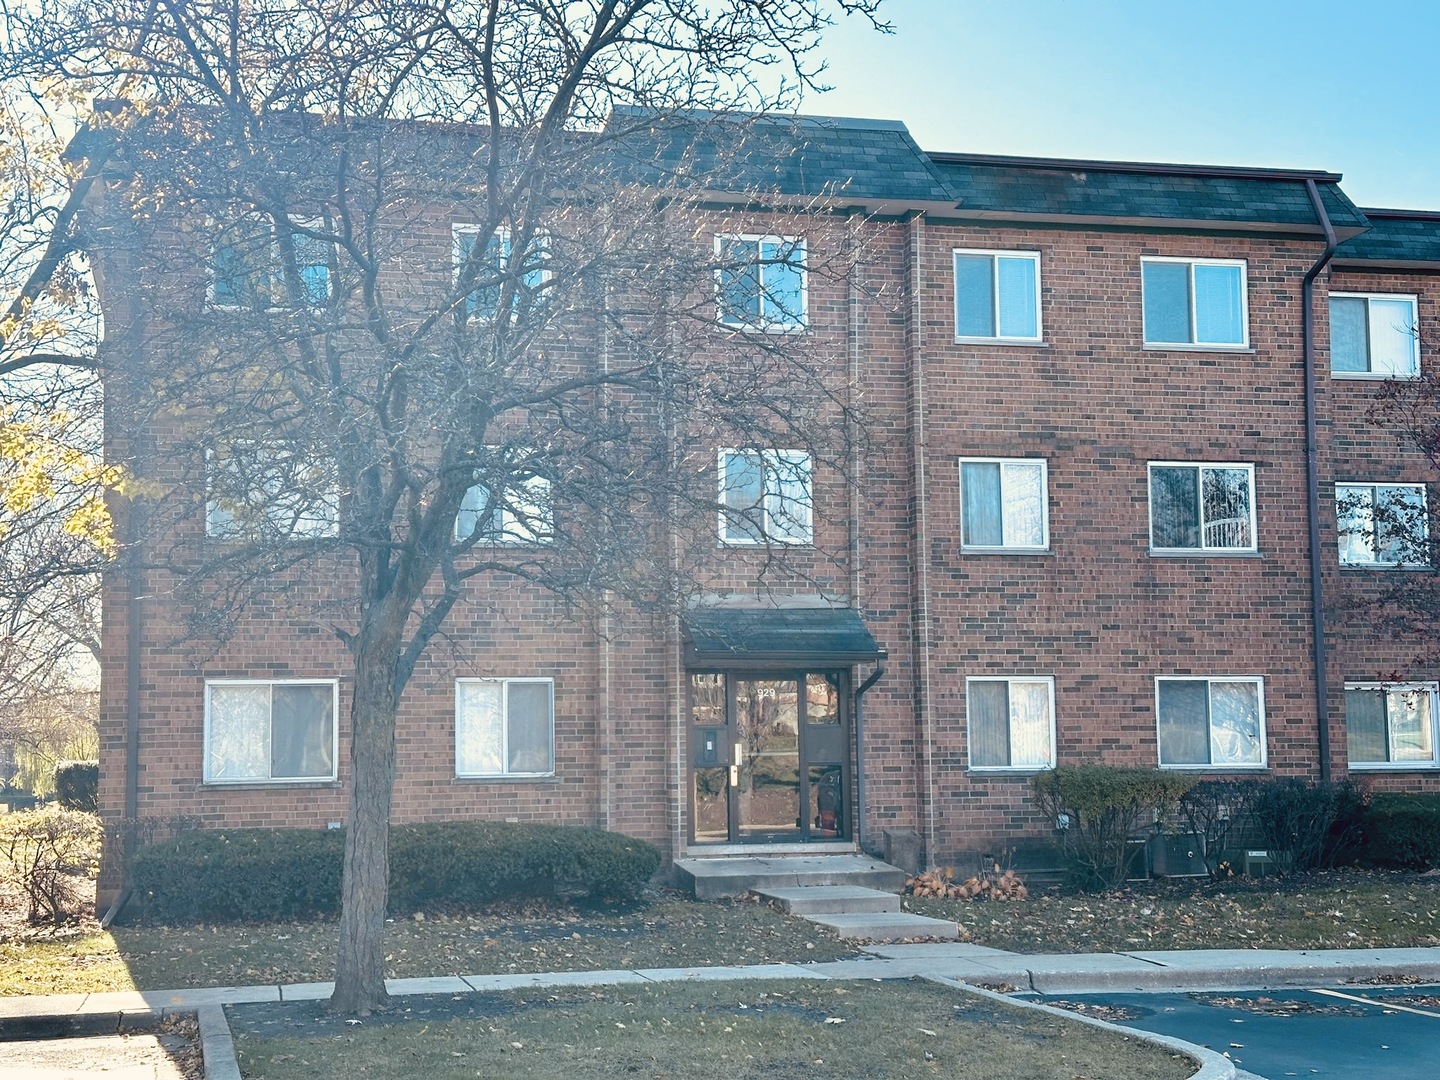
710, 879
887, 926
810, 900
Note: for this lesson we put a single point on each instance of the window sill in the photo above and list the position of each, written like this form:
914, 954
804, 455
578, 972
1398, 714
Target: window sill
1023, 343
760, 545
519, 778
1373, 376
803, 328
964, 550
1204, 553
263, 785
1010, 772
1208, 769
1393, 767
1164, 346
1384, 567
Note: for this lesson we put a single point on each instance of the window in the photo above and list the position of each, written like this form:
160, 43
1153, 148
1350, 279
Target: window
259, 490
1003, 505
504, 727
1011, 723
997, 295
520, 513
760, 282
490, 270
1373, 336
1391, 725
269, 731
249, 260
1382, 524
1214, 722
1201, 507
1194, 302
765, 495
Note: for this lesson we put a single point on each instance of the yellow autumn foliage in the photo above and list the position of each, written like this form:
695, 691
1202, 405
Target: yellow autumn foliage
40, 464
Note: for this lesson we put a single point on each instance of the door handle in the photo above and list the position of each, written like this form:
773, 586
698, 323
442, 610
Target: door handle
737, 755
734, 775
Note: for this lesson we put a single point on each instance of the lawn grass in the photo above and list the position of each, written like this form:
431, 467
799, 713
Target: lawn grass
74, 964
1337, 910
740, 1030
668, 932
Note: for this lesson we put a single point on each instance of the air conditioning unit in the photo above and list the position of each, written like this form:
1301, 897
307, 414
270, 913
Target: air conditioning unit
1178, 855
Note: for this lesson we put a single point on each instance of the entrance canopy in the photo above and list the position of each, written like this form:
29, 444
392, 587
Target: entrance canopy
815, 638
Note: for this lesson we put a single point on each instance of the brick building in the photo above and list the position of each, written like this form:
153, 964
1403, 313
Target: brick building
1117, 484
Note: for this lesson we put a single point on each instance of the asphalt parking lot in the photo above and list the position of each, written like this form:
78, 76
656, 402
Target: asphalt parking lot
1380, 1033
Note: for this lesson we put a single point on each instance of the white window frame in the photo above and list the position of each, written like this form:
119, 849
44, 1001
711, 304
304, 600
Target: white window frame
505, 684
1374, 563
533, 493
995, 256
1416, 765
533, 278
1258, 681
1202, 549
795, 323
1194, 342
1009, 680
1370, 374
1007, 547
773, 494
270, 684
301, 526
272, 270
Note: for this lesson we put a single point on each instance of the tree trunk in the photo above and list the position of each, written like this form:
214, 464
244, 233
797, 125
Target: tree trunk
364, 887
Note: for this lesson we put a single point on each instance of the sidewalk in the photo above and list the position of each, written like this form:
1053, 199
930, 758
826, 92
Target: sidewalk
975, 965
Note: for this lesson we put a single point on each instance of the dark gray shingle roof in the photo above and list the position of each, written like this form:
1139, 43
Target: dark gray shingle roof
1097, 191
800, 156
1396, 237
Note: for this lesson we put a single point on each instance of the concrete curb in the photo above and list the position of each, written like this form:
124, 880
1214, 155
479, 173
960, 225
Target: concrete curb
79, 1025
217, 1047
1213, 1066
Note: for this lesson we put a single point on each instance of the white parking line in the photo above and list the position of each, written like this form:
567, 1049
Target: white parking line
1380, 1004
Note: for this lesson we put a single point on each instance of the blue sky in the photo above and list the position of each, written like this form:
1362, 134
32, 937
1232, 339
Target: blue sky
1350, 87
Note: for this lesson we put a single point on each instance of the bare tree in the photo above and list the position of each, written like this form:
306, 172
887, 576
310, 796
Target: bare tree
1387, 528
413, 409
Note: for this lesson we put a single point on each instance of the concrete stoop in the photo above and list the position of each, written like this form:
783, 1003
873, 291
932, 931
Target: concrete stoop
716, 878
851, 895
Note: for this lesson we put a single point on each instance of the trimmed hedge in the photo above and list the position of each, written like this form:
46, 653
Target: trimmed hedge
1402, 830
273, 874
1104, 805
77, 785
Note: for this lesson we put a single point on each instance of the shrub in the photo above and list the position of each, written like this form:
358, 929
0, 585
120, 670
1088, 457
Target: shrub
1402, 830
1308, 826
1103, 805
272, 874
47, 852
1220, 811
224, 875
77, 785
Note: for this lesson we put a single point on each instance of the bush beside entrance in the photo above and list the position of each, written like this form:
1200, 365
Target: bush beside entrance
271, 874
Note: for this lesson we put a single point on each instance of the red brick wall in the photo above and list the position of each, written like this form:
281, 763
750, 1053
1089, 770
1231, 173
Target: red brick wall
1097, 612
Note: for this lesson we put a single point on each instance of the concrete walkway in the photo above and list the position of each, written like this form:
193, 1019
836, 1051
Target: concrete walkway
974, 966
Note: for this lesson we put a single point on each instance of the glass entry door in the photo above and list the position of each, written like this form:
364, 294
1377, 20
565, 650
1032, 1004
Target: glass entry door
768, 758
